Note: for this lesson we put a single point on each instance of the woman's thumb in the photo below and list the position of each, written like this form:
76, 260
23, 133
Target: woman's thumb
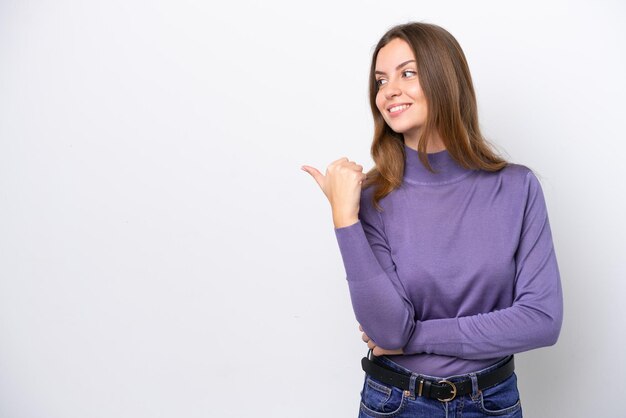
319, 177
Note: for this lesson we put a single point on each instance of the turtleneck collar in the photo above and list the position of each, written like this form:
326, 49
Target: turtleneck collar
447, 169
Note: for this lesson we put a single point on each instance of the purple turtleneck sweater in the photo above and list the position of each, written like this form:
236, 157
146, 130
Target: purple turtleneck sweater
459, 269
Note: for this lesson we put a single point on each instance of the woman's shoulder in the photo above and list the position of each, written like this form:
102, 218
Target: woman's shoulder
518, 179
513, 172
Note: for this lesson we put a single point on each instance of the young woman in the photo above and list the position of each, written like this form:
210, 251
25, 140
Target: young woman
447, 247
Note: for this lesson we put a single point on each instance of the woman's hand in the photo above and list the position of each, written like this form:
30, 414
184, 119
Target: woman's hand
376, 350
342, 187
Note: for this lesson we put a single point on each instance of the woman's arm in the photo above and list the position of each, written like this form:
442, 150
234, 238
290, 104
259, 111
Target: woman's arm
535, 317
378, 298
379, 301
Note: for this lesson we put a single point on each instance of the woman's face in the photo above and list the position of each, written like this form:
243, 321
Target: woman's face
398, 84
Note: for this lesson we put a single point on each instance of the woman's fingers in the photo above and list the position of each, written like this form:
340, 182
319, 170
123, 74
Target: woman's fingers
377, 351
345, 162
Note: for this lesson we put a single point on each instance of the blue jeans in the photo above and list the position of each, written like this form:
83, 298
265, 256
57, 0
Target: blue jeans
381, 400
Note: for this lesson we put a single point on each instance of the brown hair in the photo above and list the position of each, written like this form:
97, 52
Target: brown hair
452, 111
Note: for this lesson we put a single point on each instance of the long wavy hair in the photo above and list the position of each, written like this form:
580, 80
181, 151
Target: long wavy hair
452, 110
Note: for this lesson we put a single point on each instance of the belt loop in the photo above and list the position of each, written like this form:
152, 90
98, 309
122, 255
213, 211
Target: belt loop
412, 385
475, 390
426, 389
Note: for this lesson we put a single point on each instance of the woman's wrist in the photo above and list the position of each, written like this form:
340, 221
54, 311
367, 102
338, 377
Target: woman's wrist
343, 221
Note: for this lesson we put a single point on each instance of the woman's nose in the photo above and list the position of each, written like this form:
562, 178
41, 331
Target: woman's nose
392, 90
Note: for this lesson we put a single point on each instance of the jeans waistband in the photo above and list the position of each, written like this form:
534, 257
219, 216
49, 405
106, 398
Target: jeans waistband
395, 366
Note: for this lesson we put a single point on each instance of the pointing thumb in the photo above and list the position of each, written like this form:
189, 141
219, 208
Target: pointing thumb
319, 177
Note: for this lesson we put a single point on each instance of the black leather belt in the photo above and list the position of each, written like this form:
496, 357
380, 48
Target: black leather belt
442, 390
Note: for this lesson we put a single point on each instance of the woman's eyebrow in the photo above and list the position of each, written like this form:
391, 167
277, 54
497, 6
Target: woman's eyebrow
397, 68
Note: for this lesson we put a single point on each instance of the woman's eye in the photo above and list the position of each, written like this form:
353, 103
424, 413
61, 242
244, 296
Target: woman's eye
403, 72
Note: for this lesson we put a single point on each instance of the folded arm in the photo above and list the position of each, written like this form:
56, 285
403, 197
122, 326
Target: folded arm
535, 317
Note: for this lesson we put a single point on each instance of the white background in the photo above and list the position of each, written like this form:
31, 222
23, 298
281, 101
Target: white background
163, 255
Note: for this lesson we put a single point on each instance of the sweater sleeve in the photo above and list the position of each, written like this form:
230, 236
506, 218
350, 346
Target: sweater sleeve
535, 317
379, 300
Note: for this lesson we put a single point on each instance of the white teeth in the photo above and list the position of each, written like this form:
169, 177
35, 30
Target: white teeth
397, 108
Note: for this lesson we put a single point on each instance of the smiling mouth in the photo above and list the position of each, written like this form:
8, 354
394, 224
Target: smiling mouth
397, 109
